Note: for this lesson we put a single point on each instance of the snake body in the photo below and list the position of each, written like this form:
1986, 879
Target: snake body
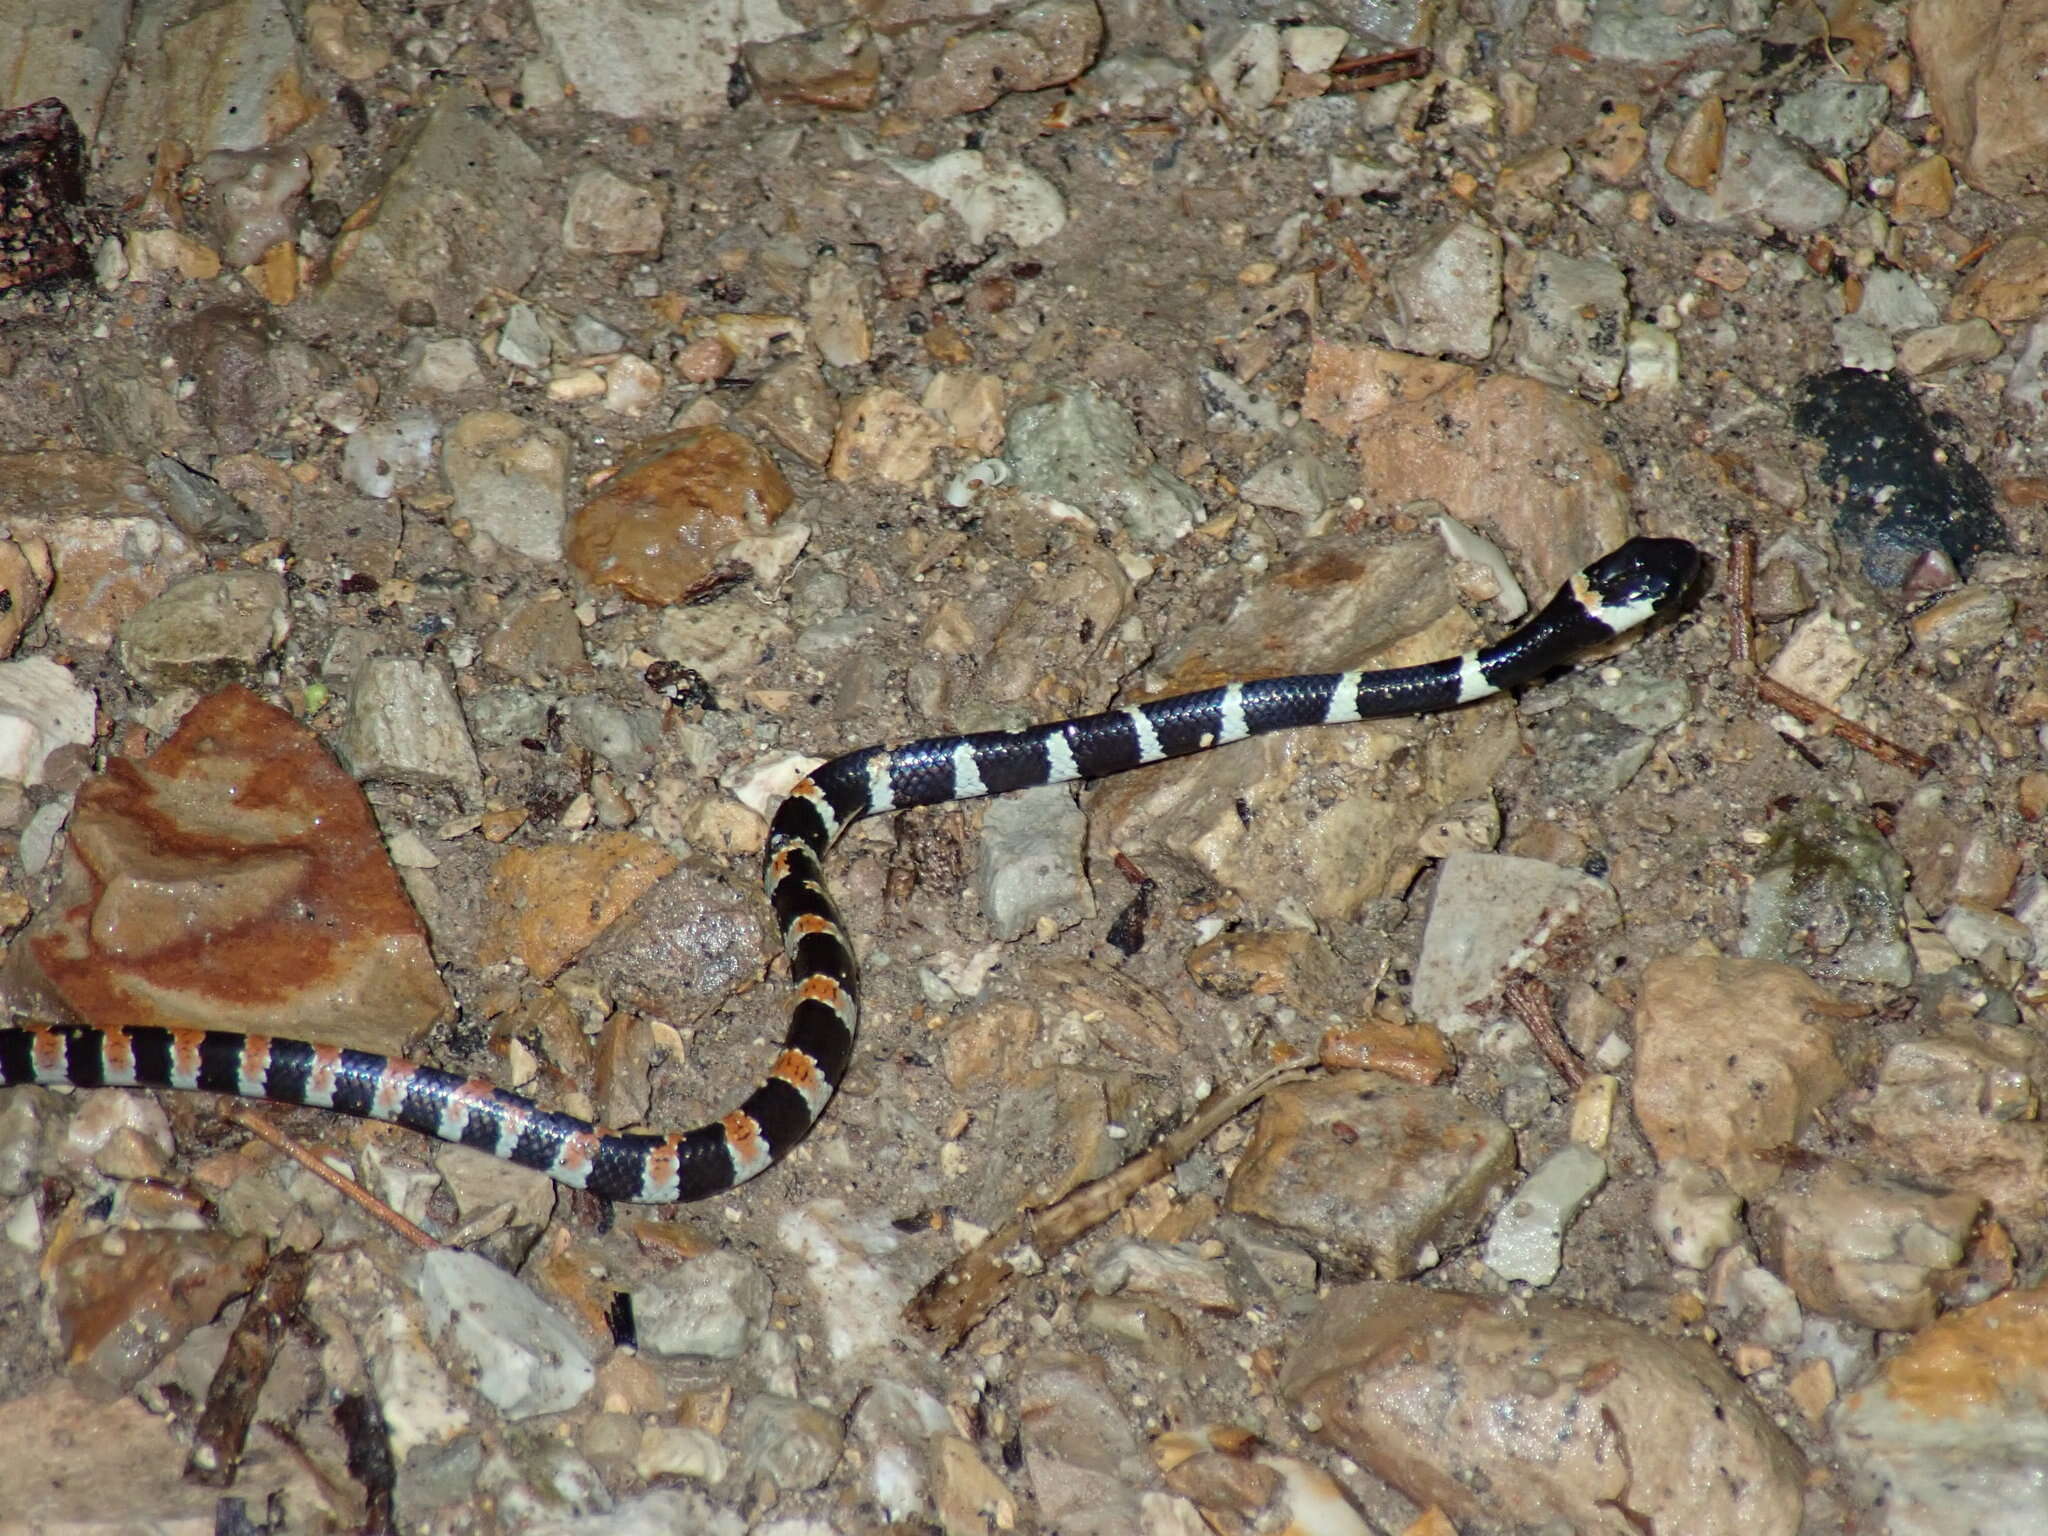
1614, 594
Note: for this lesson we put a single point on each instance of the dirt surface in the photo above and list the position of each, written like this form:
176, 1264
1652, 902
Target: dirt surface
1184, 221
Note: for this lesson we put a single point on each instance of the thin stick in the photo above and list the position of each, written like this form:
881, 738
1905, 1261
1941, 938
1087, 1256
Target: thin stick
969, 1288
260, 1127
1529, 1000
1368, 72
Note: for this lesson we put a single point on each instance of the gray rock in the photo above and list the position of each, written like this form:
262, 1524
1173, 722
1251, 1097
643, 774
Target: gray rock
1829, 897
1836, 117
792, 1444
625, 737
523, 341
1762, 176
1527, 1240
198, 507
710, 1309
635, 60
1446, 293
1297, 481
1030, 861
207, 629
405, 726
386, 454
1083, 448
1570, 322
1657, 31
1488, 911
511, 480
1894, 302
524, 1358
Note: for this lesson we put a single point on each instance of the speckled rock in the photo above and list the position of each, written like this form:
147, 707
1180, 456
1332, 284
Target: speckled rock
207, 630
1829, 896
546, 904
1963, 1114
1871, 1250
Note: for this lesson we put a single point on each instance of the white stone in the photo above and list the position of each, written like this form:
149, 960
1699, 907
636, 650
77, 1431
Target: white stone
42, 708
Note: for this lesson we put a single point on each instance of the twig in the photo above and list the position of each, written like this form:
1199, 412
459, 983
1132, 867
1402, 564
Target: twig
258, 1126
223, 1430
1529, 1000
1742, 654
969, 1288
1368, 72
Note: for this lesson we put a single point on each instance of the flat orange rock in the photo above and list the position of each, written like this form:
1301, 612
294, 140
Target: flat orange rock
547, 904
233, 879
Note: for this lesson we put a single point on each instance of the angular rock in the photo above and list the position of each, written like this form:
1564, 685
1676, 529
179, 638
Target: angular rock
547, 904
42, 708
522, 1356
1080, 446
1871, 1250
1829, 896
1446, 293
838, 67
1570, 322
233, 879
1493, 914
207, 630
1982, 67
404, 726
124, 1300
1961, 1115
510, 477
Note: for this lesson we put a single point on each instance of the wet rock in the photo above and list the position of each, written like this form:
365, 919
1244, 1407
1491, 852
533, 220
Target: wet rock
1491, 915
1081, 1454
1829, 896
382, 456
520, 1354
1248, 962
405, 727
1011, 202
711, 1308
1982, 69
1372, 1174
109, 547
1872, 1250
207, 630
790, 1443
124, 1300
1526, 1242
1447, 292
1240, 1484
1029, 869
510, 477
1732, 1059
1926, 190
885, 435
42, 709
1079, 446
234, 879
1035, 46
1902, 490
2010, 285
662, 528
1963, 1115
345, 38
547, 904
838, 67
1947, 1436
257, 198
608, 215
1758, 176
1569, 321
459, 214
1836, 117
1522, 1415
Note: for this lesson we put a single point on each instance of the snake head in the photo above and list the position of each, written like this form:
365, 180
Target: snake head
1637, 581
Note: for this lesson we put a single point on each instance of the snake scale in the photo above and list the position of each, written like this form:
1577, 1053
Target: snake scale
1616, 593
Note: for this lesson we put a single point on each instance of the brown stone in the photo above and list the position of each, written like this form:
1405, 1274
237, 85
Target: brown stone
124, 1300
547, 904
233, 879
2010, 285
885, 435
659, 527
1732, 1059
1981, 62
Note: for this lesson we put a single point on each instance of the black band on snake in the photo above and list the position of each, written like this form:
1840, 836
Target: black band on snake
1614, 594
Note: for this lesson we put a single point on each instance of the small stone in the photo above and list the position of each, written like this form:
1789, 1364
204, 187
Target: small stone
1821, 660
632, 385
608, 215
405, 726
1926, 191
716, 1315
523, 341
523, 1357
42, 709
547, 904
1447, 292
660, 529
1960, 1115
1616, 143
1030, 867
1696, 1216
670, 1450
793, 404
510, 479
1079, 446
1966, 621
208, 629
379, 457
836, 67
1010, 202
1695, 154
1828, 895
1949, 346
1039, 45
448, 366
123, 1300
1570, 321
1871, 1250
1836, 117
885, 435
791, 1444
1526, 1242
346, 39
2010, 285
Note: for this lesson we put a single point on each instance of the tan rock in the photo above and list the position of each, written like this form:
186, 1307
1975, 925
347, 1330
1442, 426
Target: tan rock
2010, 285
1869, 1249
1732, 1059
547, 904
1926, 191
1695, 155
1981, 62
657, 529
885, 435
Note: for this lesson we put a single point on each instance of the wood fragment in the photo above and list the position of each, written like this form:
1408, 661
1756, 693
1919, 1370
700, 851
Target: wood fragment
1370, 71
1742, 657
261, 1127
1529, 1000
973, 1285
222, 1433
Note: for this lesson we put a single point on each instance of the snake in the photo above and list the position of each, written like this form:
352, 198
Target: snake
1616, 593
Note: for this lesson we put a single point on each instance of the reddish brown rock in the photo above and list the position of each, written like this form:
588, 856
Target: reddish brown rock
1732, 1058
234, 879
124, 1300
547, 904
1528, 1414
659, 527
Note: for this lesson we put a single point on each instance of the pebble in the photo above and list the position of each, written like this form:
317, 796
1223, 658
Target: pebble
793, 404
379, 458
405, 727
520, 1354
670, 1450
42, 709
1569, 321
1697, 1217
607, 215
1836, 117
1081, 447
1031, 48
1009, 202
1490, 911
1757, 175
207, 629
199, 507
1371, 1174
1733, 1057
884, 435
1871, 1250
660, 529
1828, 895
1964, 622
791, 1444
1942, 347
448, 366
2009, 285
1984, 84
1245, 68
1821, 659
263, 876
1029, 862
510, 480
836, 67
546, 904
847, 1266
1526, 1242
1447, 292
1398, 1378
1082, 1457
1955, 1114
1893, 302
712, 1308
